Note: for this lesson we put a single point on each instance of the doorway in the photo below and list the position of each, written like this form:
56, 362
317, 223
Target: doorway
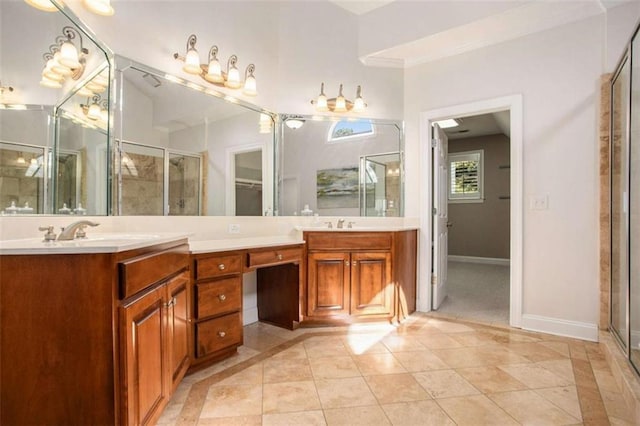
432, 291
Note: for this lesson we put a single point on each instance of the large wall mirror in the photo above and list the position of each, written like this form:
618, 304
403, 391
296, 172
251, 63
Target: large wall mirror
185, 149
340, 167
45, 155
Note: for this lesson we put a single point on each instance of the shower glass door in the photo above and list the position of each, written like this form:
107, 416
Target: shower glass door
380, 185
142, 184
619, 205
634, 210
184, 184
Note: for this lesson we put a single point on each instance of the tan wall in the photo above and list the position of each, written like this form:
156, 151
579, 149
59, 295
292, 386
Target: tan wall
482, 229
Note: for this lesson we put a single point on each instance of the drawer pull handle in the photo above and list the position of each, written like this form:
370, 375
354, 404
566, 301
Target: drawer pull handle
346, 263
279, 256
221, 266
170, 303
222, 297
354, 263
221, 334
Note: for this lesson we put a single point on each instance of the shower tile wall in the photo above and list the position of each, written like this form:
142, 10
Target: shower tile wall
142, 193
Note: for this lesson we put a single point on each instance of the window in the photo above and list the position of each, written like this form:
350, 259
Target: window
350, 129
466, 177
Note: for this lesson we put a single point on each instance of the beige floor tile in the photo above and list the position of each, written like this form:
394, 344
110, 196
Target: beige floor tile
424, 360
325, 347
232, 421
306, 418
361, 345
450, 326
378, 364
438, 341
560, 367
417, 413
261, 342
444, 384
535, 352
535, 376
233, 400
334, 367
561, 347
356, 416
475, 338
286, 370
606, 381
402, 343
289, 396
390, 388
528, 407
349, 392
475, 410
616, 406
565, 397
490, 379
249, 376
294, 352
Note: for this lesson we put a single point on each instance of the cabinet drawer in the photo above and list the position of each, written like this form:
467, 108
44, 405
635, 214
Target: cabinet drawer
274, 257
217, 266
348, 240
140, 272
216, 334
218, 297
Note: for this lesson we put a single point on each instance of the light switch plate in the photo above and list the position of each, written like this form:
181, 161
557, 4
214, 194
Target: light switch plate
539, 202
234, 228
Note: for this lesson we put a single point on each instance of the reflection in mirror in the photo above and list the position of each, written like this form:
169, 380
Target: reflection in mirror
199, 139
333, 167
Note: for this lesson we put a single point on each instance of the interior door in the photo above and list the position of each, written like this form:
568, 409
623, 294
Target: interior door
440, 216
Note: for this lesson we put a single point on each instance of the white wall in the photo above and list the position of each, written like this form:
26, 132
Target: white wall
557, 74
621, 22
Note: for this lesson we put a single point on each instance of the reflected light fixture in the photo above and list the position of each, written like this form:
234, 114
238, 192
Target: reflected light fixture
212, 71
339, 103
92, 111
5, 89
64, 59
265, 123
448, 123
99, 7
294, 122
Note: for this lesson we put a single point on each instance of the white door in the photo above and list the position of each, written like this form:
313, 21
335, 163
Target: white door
440, 216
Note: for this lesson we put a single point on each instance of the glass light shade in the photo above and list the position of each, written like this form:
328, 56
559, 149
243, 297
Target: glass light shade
294, 123
34, 161
101, 80
21, 160
100, 7
47, 82
233, 78
58, 68
321, 103
84, 92
192, 62
69, 55
358, 105
104, 115
45, 5
50, 73
250, 86
95, 88
341, 104
94, 112
214, 74
265, 123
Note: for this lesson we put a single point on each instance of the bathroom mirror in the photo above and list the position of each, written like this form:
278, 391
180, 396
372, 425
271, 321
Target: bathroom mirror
31, 157
186, 149
340, 167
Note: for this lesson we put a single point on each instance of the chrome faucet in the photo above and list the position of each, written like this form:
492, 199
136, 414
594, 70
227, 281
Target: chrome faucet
76, 229
340, 224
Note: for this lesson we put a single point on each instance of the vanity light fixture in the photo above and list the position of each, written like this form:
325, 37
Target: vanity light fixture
44, 5
339, 103
64, 59
93, 111
294, 122
212, 71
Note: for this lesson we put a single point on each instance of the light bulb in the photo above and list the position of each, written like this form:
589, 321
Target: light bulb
233, 78
250, 86
192, 62
214, 74
69, 55
100, 7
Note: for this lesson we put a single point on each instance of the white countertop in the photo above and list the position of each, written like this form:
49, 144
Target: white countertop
208, 246
324, 228
95, 243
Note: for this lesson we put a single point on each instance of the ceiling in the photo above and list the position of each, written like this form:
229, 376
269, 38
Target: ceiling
481, 125
360, 7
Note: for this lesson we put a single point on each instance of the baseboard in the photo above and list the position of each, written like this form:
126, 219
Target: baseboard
561, 327
249, 316
476, 259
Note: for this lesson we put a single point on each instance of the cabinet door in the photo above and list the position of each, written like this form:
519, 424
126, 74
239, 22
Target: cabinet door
178, 328
145, 341
371, 284
328, 284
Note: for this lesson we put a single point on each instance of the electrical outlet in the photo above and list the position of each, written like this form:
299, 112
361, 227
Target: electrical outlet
539, 202
234, 228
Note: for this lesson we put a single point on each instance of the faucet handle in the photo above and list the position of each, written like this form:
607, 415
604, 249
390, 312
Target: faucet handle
329, 225
350, 225
50, 235
81, 233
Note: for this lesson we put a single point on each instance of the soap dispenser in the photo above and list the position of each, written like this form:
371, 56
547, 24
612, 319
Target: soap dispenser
80, 211
64, 209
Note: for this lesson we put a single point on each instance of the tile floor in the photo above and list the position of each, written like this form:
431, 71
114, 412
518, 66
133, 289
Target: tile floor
428, 371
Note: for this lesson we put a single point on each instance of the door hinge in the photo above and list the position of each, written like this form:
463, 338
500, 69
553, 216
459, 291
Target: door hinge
434, 211
434, 279
434, 142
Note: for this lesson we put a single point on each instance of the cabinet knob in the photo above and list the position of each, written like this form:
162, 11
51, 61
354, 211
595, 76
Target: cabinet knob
222, 297
221, 334
221, 266
279, 256
354, 263
346, 263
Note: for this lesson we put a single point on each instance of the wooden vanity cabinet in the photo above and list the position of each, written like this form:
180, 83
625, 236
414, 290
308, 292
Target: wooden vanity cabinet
360, 275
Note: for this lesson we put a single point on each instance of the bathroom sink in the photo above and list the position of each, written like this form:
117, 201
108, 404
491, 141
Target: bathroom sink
94, 243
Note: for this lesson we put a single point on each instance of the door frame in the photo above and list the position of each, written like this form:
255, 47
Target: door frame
230, 176
512, 103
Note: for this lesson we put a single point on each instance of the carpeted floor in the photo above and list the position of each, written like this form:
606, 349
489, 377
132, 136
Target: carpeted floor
477, 291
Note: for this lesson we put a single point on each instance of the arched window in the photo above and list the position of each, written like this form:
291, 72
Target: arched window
345, 130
